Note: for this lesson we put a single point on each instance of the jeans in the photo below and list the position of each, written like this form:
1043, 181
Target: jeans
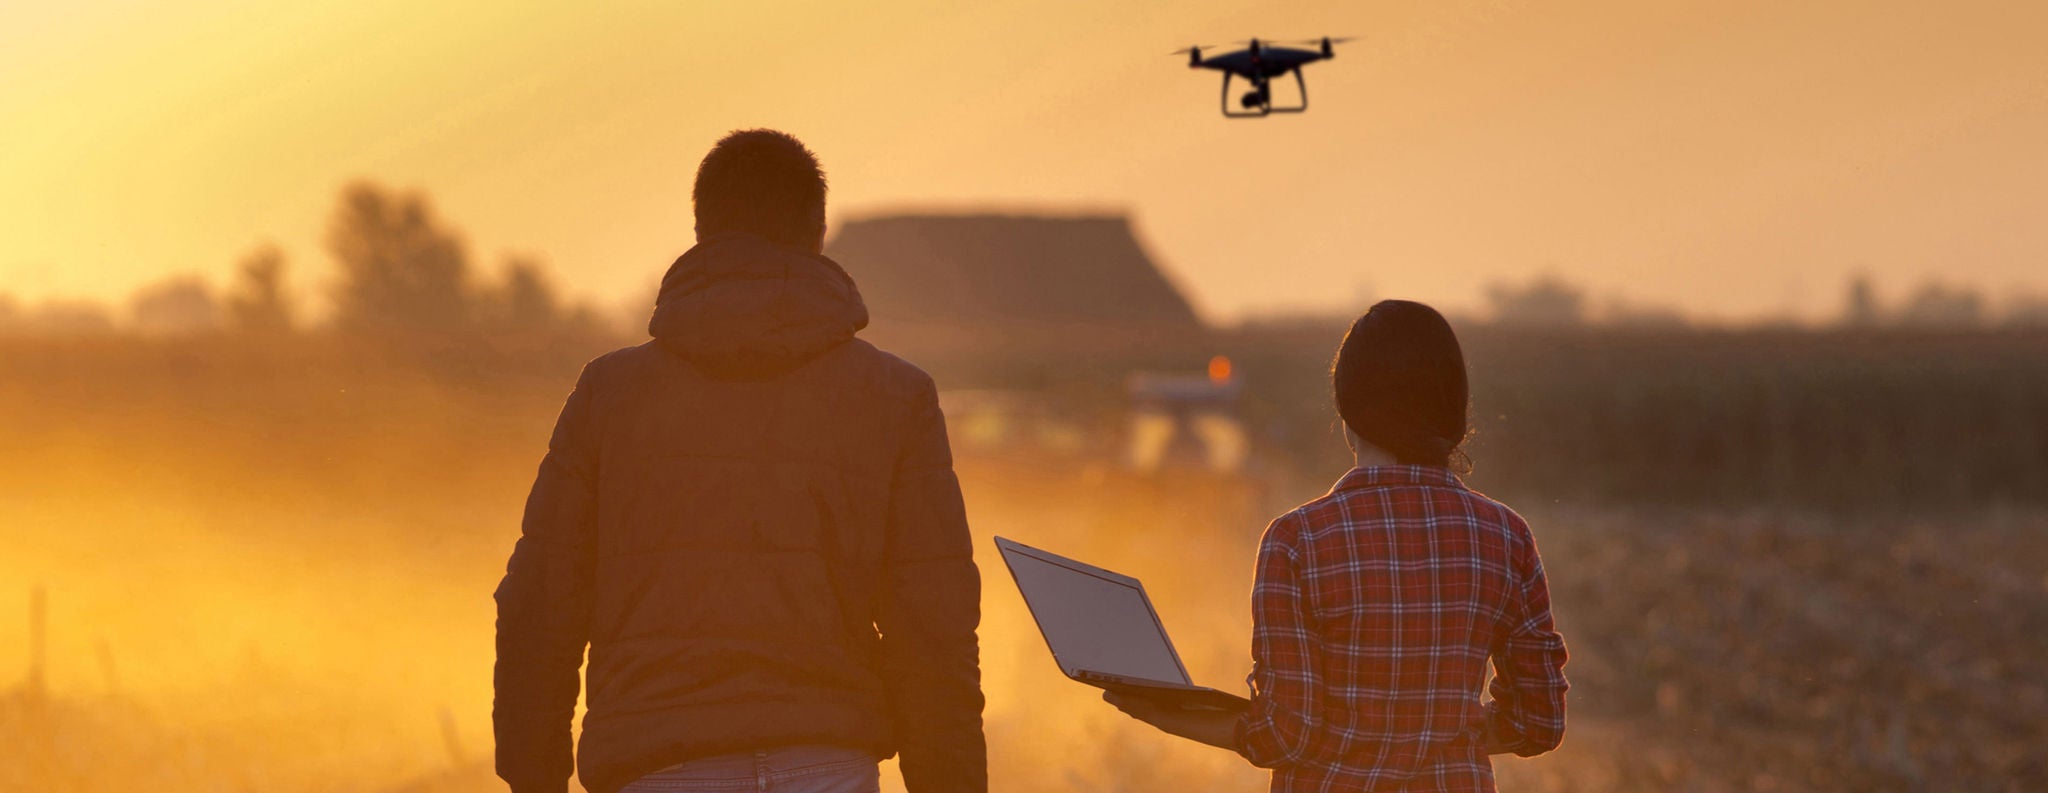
794, 769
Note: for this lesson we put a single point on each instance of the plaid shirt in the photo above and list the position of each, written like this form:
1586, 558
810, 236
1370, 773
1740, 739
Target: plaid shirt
1375, 611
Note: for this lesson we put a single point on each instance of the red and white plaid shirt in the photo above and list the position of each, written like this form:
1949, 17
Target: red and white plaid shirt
1375, 611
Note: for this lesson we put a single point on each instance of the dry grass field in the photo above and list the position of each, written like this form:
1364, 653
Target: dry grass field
268, 567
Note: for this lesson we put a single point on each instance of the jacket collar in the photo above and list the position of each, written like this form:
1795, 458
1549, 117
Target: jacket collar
1396, 475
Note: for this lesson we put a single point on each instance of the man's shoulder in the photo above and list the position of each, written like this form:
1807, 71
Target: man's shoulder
890, 372
855, 357
605, 369
891, 365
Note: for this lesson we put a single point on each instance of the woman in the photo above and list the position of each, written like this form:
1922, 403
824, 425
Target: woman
1378, 605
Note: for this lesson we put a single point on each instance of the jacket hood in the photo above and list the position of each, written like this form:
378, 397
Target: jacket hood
739, 301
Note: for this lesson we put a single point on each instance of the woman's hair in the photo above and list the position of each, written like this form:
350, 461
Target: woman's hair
1400, 383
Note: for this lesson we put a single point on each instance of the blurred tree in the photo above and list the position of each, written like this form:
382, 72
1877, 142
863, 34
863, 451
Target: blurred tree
258, 303
179, 306
1546, 301
524, 299
1861, 309
400, 271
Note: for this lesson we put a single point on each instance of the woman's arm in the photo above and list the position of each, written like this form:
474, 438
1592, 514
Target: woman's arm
1287, 724
1282, 727
1216, 728
1526, 716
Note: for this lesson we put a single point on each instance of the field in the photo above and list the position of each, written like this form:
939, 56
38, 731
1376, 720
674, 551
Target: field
1782, 562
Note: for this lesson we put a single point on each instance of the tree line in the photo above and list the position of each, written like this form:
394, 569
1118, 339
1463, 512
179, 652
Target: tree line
401, 271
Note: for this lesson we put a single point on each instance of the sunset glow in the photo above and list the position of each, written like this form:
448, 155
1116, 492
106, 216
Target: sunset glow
1734, 160
347, 416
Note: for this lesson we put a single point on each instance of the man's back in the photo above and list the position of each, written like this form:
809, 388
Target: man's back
753, 522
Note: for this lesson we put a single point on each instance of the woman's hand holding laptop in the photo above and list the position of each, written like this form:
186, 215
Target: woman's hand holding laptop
1216, 728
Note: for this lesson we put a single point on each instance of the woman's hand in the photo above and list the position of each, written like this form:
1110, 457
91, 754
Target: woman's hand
1213, 727
1493, 741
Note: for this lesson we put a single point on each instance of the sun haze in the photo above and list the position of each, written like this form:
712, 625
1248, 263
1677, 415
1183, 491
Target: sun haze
1735, 159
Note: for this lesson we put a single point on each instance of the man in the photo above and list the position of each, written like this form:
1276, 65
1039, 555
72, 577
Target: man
752, 522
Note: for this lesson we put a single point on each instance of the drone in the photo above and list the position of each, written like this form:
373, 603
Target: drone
1259, 63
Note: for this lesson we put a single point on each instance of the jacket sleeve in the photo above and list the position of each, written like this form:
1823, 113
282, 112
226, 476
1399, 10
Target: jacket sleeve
544, 608
1280, 728
1529, 684
928, 608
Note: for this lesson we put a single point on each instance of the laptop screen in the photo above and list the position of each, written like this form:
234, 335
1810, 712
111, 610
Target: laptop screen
1093, 621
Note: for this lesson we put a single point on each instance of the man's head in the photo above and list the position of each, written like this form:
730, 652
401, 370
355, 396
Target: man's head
765, 183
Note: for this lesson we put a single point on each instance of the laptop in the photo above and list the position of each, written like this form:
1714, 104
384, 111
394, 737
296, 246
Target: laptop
1103, 631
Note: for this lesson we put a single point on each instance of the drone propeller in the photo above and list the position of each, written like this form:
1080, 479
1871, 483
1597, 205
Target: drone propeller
1232, 43
1262, 42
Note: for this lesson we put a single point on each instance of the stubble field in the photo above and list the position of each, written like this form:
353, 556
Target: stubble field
263, 574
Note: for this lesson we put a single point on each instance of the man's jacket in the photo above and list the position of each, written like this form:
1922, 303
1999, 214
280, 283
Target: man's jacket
753, 524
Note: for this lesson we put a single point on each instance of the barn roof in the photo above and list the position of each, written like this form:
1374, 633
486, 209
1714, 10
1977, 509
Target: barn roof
1010, 275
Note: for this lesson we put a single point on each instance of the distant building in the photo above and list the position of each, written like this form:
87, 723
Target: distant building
1013, 283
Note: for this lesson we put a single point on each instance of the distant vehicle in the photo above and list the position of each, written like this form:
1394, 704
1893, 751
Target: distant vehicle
1259, 63
1186, 421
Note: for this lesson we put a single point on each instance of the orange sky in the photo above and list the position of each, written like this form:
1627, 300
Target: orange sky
1737, 157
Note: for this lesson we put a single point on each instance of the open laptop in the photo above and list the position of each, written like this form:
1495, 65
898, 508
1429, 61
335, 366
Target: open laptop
1103, 631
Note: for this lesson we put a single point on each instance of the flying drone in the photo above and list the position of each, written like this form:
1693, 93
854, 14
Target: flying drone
1259, 63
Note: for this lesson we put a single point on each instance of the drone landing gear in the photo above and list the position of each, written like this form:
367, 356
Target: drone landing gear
1258, 102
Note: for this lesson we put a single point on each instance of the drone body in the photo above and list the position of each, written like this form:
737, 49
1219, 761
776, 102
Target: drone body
1258, 63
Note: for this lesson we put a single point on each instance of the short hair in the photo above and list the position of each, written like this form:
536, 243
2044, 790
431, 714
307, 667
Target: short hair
1400, 384
761, 182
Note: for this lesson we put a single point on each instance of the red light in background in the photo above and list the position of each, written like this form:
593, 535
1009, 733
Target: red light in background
1219, 370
